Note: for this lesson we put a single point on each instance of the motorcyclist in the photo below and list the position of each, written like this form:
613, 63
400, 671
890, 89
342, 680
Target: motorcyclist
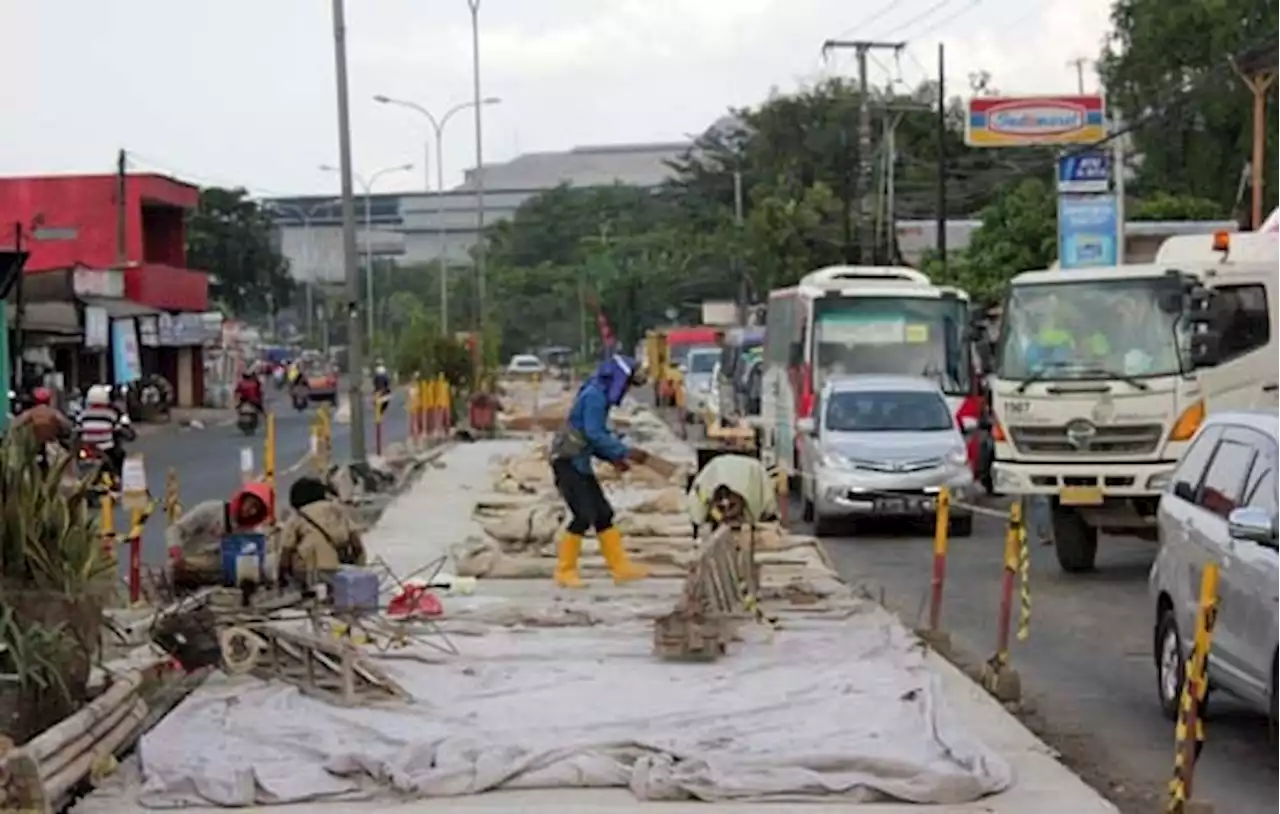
48, 424
249, 391
381, 378
103, 426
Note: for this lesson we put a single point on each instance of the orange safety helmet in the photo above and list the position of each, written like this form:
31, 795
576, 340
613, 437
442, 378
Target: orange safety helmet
42, 395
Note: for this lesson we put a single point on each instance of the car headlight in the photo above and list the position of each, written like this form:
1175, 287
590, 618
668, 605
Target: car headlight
958, 456
835, 460
704, 387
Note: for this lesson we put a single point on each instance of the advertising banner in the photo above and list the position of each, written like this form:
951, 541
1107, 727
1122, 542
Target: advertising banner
1086, 231
124, 351
1002, 121
1087, 173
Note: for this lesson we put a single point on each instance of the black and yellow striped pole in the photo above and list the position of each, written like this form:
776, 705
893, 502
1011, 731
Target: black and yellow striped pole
1189, 732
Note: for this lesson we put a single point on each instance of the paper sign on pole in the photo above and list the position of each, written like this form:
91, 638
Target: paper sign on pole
133, 483
246, 463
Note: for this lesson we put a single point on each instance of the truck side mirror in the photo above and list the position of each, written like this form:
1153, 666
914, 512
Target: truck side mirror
1199, 306
1206, 348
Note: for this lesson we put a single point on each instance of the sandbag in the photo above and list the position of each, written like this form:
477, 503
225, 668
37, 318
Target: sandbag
668, 501
523, 528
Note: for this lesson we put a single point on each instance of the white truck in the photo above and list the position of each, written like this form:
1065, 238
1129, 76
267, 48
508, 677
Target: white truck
1103, 375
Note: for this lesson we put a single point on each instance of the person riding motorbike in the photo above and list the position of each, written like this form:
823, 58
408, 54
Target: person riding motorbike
103, 425
249, 391
381, 378
48, 424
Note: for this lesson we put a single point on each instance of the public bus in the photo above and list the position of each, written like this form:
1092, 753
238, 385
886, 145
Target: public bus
846, 320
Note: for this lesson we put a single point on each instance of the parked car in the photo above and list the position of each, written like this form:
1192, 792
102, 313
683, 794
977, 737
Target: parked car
699, 370
882, 445
525, 364
1220, 507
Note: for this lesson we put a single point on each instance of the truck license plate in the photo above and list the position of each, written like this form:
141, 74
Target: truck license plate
1080, 496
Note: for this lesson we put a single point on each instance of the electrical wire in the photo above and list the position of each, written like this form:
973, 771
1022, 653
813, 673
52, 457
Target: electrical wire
924, 15
936, 24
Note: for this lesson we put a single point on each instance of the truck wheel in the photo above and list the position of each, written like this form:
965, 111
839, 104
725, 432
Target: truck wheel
1074, 541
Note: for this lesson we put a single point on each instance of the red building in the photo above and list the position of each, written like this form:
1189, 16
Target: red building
108, 300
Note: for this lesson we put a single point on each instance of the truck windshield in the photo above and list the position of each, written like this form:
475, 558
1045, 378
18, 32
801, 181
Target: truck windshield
1096, 329
912, 336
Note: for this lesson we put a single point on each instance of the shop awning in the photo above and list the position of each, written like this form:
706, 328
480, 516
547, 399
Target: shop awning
46, 317
120, 309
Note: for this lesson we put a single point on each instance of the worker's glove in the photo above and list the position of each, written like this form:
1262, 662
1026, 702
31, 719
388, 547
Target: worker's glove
621, 465
637, 455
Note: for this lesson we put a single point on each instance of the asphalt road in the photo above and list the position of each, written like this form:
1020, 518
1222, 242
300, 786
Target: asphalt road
1086, 667
208, 460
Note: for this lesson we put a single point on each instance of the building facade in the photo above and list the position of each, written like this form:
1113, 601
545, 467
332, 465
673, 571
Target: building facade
106, 295
420, 228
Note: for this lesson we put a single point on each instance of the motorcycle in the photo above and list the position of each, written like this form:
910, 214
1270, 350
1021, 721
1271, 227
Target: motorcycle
247, 418
299, 396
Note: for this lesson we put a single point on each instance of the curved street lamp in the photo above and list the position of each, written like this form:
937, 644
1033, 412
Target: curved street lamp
367, 186
437, 125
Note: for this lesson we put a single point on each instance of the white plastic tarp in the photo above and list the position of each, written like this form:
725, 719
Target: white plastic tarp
839, 710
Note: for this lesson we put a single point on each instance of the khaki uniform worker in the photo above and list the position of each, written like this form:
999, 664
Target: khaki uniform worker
319, 537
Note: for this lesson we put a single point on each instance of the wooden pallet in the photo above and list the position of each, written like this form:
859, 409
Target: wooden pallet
333, 670
718, 594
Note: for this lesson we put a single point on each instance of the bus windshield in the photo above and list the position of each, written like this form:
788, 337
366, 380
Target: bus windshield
911, 336
1099, 329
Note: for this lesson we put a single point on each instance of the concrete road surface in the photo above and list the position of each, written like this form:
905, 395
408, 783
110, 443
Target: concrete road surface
1086, 668
208, 460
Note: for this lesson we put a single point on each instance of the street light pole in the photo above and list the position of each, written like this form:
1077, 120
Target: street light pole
474, 5
367, 186
437, 126
308, 255
355, 353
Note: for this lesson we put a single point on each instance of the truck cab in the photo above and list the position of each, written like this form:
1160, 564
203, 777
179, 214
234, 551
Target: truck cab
1103, 375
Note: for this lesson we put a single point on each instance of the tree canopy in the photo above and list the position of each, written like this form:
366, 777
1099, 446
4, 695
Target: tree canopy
231, 237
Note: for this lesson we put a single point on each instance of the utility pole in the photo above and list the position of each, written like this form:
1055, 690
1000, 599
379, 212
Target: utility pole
1257, 69
861, 48
1078, 63
942, 158
474, 5
122, 210
739, 271
350, 257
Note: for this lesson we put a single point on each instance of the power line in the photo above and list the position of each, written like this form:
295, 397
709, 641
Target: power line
866, 21
921, 16
936, 24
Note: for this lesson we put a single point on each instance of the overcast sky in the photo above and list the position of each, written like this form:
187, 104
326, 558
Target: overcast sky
241, 91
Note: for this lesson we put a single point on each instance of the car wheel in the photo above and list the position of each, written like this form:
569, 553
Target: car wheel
960, 526
806, 513
1273, 722
1171, 668
823, 526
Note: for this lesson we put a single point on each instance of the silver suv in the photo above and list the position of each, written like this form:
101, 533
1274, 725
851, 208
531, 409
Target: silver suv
882, 445
1221, 508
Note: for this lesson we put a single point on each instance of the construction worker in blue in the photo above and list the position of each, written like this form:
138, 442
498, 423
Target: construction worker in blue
585, 436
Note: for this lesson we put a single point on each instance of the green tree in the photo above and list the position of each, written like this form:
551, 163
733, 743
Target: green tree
1019, 233
1163, 206
1166, 69
231, 237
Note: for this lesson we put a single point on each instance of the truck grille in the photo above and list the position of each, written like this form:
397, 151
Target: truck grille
1133, 439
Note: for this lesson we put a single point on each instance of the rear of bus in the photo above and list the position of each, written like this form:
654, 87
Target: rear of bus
899, 327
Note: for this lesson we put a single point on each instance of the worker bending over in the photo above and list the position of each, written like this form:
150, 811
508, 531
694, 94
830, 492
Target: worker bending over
195, 541
586, 435
732, 490
319, 537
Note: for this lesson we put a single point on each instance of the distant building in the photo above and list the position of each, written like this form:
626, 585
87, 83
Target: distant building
416, 228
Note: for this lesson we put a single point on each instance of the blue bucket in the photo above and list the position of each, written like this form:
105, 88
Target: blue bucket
246, 544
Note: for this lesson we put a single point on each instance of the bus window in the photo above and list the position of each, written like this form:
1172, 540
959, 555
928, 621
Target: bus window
911, 336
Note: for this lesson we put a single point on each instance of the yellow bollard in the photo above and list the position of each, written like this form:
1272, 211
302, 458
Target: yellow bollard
1189, 732
108, 522
269, 457
941, 537
172, 498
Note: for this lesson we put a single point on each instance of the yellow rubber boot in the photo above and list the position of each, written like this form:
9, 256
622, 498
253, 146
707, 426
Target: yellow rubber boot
615, 556
567, 561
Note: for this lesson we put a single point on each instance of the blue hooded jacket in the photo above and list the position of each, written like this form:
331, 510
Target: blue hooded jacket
589, 414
